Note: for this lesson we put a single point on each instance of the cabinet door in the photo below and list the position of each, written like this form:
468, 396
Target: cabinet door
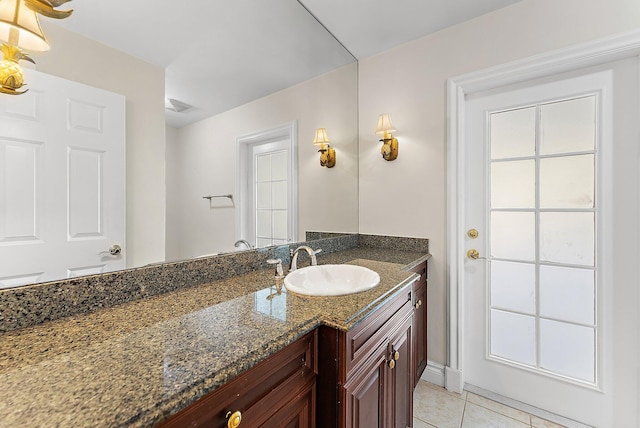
366, 394
420, 331
420, 323
298, 413
401, 376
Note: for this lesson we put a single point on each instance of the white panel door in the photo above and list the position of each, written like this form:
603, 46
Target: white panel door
62, 148
539, 180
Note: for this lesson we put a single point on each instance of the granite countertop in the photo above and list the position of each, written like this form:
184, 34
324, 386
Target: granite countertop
139, 362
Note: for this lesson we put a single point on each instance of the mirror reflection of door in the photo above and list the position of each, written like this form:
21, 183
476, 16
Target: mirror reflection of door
267, 181
61, 182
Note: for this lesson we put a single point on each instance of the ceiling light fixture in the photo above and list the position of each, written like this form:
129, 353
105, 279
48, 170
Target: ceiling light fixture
20, 29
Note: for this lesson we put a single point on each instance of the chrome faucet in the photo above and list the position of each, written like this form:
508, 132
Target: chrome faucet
294, 257
243, 241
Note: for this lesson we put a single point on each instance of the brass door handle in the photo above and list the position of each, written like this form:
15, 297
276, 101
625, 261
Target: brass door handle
234, 419
474, 254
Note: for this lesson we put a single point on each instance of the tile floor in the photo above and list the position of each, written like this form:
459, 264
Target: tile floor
434, 406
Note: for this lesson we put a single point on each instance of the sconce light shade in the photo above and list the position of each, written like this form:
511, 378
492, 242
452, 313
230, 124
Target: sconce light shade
20, 30
26, 34
384, 124
321, 138
327, 154
389, 149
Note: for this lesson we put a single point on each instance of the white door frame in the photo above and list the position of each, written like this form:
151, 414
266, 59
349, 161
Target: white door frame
288, 131
589, 54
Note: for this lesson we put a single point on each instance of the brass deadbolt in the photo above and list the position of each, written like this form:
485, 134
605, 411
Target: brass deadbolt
472, 233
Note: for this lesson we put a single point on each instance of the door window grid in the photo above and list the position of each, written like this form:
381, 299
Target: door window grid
271, 198
531, 318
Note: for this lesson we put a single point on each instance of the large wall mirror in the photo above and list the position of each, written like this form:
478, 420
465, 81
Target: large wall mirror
173, 161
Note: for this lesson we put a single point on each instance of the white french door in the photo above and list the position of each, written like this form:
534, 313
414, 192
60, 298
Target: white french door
270, 191
539, 181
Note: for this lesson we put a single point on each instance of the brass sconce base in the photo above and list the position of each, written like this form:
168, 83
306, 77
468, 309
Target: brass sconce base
11, 75
328, 157
389, 149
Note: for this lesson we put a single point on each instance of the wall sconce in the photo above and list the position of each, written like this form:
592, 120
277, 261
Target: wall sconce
389, 149
20, 29
327, 154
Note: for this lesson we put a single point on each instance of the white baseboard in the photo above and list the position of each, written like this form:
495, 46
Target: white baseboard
443, 376
453, 380
433, 373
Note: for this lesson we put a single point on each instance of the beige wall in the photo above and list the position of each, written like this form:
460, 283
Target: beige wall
206, 161
83, 60
406, 197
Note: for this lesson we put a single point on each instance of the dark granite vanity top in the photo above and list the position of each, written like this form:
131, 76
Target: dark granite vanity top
136, 363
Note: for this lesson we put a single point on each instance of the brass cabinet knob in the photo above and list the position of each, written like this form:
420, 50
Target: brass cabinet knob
396, 355
392, 364
418, 304
234, 419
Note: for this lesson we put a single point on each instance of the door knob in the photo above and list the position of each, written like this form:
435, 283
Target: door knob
473, 254
114, 250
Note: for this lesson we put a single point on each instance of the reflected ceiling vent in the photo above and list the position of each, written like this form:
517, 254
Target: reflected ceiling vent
175, 105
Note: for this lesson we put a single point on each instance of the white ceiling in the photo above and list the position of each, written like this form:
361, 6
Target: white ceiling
222, 54
368, 27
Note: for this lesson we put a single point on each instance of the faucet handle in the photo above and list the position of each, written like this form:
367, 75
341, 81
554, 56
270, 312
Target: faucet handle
278, 262
314, 260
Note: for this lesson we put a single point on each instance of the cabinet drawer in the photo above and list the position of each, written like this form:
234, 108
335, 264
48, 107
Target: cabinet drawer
259, 392
421, 270
364, 338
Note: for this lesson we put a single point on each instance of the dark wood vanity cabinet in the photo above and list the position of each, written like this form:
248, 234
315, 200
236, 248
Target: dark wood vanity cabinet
366, 374
278, 392
362, 378
420, 322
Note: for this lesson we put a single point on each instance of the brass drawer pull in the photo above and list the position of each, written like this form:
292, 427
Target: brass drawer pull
234, 419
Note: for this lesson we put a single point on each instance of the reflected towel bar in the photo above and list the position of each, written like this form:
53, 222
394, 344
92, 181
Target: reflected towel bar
229, 196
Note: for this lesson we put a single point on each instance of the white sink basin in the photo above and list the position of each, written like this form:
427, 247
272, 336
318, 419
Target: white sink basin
331, 280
